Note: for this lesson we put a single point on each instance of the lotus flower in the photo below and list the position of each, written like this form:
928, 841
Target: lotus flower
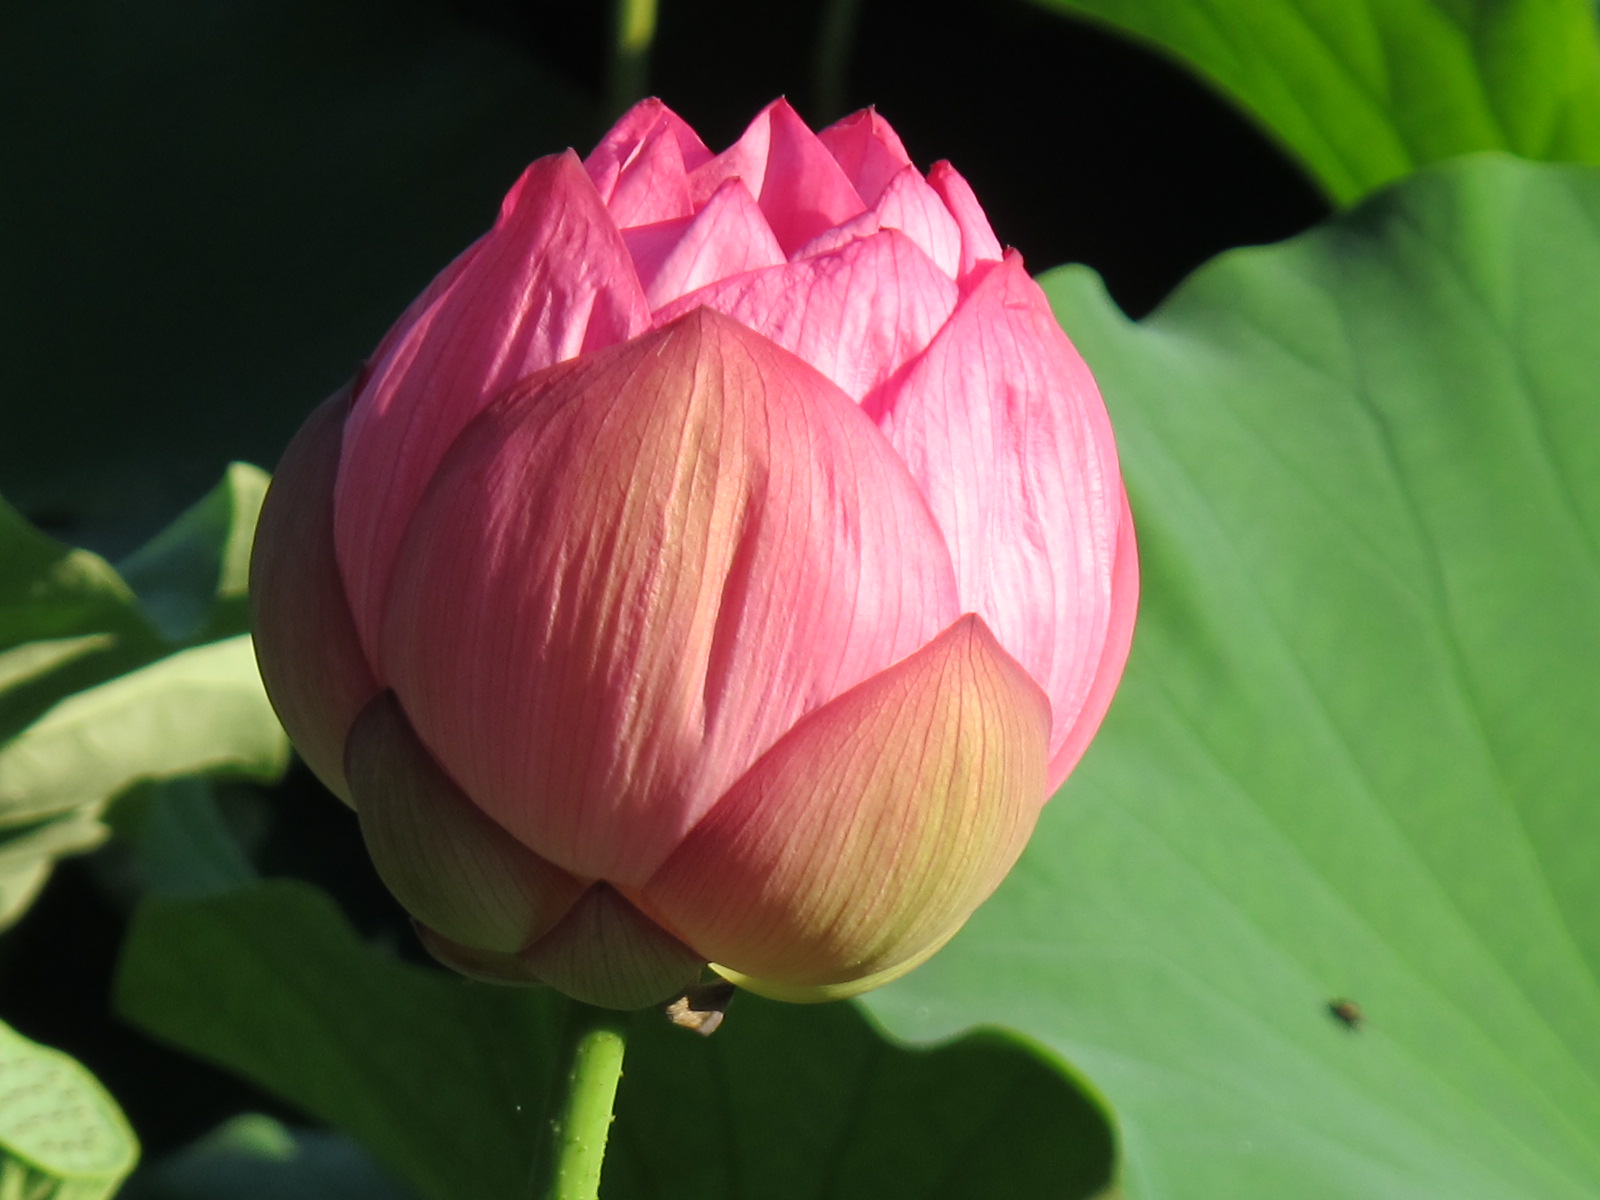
721, 562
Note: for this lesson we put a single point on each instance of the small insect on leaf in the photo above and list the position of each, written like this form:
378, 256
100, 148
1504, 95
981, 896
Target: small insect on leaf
1348, 1013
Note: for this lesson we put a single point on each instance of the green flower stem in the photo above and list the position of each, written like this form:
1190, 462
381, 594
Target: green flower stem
831, 64
574, 1147
633, 29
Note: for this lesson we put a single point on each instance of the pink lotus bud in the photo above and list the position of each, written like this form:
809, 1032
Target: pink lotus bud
721, 562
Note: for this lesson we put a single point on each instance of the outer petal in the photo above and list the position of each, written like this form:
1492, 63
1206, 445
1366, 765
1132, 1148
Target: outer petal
865, 838
553, 279
726, 237
640, 166
450, 865
978, 243
306, 643
796, 181
1119, 639
605, 952
1003, 427
636, 571
868, 150
609, 953
857, 315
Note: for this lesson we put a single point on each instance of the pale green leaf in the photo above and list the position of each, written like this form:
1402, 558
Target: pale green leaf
191, 577
1363, 93
62, 1137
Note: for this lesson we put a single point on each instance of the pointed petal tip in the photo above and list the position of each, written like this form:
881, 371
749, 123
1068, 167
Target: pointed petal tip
702, 328
535, 178
551, 282
978, 242
799, 185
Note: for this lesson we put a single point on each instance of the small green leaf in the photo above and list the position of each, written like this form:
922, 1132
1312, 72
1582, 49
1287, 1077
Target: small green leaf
67, 621
445, 1081
254, 1157
181, 842
1364, 93
92, 698
29, 852
201, 711
1354, 755
62, 1137
192, 576
48, 590
198, 712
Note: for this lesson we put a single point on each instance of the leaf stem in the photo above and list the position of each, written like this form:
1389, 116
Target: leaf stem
574, 1147
633, 29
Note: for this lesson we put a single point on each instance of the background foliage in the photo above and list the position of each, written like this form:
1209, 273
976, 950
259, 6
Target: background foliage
1352, 759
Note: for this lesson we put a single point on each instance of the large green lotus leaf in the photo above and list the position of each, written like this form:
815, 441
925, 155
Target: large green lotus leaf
62, 1137
444, 1081
793, 1102
1363, 93
441, 1081
1354, 757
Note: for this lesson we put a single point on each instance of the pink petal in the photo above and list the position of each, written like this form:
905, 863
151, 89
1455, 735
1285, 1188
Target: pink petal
911, 206
796, 181
863, 840
635, 572
306, 643
857, 315
1114, 656
726, 237
552, 280
978, 243
640, 166
857, 228
450, 865
868, 150
1002, 425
